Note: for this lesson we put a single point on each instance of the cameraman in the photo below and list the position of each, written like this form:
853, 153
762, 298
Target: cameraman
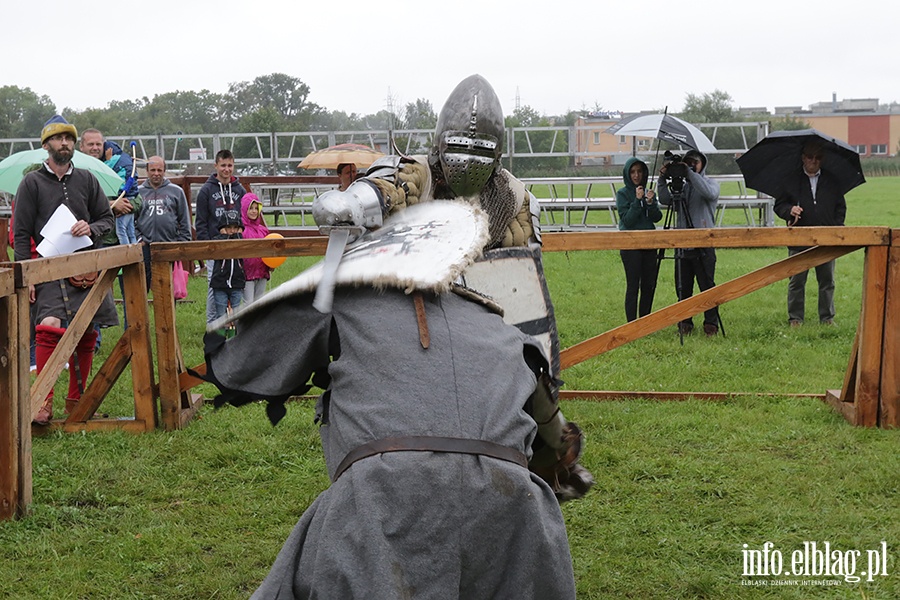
695, 207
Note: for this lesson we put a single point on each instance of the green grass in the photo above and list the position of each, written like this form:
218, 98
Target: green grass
681, 486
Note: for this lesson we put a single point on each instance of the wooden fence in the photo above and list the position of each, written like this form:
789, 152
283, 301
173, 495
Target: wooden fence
870, 395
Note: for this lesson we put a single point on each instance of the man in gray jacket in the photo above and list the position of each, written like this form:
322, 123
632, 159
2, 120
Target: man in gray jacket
163, 214
695, 207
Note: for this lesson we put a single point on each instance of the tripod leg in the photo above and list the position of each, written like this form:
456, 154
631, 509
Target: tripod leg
661, 253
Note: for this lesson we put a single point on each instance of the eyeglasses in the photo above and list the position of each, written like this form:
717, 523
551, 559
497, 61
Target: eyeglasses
813, 156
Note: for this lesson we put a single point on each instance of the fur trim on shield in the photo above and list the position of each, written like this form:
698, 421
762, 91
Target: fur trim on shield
434, 275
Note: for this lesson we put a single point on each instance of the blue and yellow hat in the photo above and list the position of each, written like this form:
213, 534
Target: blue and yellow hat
57, 124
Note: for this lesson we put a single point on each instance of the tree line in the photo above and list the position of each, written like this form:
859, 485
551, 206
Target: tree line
277, 102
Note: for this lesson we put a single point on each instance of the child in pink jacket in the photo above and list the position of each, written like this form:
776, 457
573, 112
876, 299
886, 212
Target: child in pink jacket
255, 270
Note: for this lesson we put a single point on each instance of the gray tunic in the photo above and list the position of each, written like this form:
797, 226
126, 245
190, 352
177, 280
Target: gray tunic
408, 524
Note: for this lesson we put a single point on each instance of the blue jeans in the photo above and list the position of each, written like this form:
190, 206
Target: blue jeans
125, 229
210, 299
223, 297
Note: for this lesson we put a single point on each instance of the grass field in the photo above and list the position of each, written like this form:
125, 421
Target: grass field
681, 487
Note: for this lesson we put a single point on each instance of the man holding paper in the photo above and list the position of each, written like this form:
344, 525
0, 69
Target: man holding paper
63, 209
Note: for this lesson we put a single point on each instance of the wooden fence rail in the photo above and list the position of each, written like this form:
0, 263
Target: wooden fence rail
20, 399
870, 395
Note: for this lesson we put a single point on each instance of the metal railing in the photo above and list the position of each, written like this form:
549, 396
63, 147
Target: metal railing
567, 197
275, 152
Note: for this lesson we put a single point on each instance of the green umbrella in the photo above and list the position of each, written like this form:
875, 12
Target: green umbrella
12, 167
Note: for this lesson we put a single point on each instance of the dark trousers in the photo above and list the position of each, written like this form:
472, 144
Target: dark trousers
640, 282
124, 314
696, 264
145, 248
797, 291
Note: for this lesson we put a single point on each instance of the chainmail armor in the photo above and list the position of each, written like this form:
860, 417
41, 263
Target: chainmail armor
498, 199
500, 203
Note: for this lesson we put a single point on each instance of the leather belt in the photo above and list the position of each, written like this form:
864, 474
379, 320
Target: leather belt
423, 443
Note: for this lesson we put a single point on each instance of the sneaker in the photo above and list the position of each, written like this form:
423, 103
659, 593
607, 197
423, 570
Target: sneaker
710, 330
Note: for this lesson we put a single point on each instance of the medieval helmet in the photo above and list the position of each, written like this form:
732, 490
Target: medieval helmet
468, 138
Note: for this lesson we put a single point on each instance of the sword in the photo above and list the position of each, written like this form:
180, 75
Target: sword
343, 217
338, 237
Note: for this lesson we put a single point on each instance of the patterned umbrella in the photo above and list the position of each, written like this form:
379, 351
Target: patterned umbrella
331, 157
12, 167
664, 127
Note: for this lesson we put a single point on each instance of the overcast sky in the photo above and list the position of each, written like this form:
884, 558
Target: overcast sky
554, 55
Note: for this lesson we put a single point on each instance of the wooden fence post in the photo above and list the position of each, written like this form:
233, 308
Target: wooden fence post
870, 336
9, 401
889, 413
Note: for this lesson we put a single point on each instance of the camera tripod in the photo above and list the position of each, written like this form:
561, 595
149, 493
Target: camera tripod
677, 205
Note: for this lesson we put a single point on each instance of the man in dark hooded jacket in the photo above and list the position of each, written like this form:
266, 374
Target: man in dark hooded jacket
221, 192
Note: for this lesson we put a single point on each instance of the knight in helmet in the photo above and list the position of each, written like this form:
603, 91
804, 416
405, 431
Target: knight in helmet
464, 163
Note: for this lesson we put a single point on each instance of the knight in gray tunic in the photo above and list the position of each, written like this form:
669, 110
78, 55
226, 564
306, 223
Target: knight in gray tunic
441, 430
411, 523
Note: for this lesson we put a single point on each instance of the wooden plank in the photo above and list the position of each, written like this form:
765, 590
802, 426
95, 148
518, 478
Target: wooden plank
698, 303
129, 425
4, 240
167, 350
195, 403
219, 249
871, 333
729, 237
889, 413
187, 381
103, 381
848, 390
42, 270
77, 326
7, 282
9, 420
607, 395
134, 281
263, 179
845, 409
23, 337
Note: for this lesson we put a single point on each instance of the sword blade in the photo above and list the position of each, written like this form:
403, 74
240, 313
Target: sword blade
337, 242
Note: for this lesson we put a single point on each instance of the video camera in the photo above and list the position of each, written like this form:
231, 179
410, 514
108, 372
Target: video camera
676, 171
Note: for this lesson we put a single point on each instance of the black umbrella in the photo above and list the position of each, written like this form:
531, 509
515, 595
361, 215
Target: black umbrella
774, 161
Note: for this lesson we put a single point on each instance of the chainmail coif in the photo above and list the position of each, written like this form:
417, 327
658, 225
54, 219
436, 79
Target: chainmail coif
497, 199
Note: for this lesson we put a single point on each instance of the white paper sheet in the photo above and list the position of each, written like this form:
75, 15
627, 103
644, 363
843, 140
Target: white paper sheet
57, 233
